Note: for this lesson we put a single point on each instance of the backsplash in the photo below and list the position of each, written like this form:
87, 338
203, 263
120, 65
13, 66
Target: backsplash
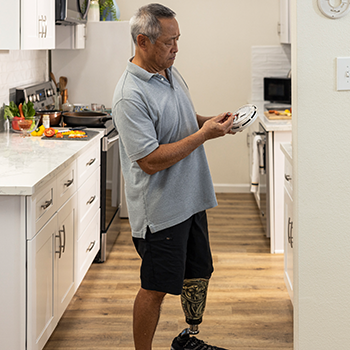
21, 67
268, 61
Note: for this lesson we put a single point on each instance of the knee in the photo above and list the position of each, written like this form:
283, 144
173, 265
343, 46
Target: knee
152, 296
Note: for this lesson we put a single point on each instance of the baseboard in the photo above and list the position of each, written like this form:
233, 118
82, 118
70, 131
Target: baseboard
229, 188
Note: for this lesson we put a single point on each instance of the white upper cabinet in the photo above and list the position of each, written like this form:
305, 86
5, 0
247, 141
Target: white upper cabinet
37, 24
10, 22
285, 21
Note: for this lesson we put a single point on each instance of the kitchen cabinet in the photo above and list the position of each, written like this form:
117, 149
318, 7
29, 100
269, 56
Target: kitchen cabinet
10, 25
50, 276
278, 132
288, 219
37, 24
45, 186
284, 25
88, 223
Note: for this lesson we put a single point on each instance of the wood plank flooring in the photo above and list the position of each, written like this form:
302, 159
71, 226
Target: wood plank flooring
248, 306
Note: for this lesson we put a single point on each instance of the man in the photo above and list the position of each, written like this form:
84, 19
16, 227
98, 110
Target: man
167, 181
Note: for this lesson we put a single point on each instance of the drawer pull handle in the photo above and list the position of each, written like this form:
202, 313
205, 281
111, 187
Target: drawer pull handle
60, 244
287, 177
68, 183
47, 204
91, 246
90, 200
92, 161
290, 232
64, 238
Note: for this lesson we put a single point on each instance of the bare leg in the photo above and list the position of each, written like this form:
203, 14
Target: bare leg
146, 315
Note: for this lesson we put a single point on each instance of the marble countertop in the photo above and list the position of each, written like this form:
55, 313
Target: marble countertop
271, 125
27, 162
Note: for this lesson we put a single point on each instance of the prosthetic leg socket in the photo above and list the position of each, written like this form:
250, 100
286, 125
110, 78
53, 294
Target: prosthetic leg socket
193, 300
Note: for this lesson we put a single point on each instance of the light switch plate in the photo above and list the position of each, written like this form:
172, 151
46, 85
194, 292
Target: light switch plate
343, 73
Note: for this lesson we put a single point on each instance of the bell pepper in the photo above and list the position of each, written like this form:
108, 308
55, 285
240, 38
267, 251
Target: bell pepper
39, 131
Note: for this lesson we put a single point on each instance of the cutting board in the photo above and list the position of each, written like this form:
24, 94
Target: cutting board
273, 116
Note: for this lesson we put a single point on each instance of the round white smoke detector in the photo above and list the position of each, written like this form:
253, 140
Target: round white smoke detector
244, 116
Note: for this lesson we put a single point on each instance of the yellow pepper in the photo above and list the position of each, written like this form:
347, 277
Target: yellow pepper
39, 131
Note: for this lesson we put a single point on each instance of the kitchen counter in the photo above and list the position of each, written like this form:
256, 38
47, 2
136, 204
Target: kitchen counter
271, 125
25, 163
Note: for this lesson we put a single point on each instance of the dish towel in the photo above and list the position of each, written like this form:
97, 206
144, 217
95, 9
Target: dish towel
255, 164
261, 157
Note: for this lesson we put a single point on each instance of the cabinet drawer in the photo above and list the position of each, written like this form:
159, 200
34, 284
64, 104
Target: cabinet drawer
66, 184
41, 207
88, 163
88, 200
288, 177
87, 247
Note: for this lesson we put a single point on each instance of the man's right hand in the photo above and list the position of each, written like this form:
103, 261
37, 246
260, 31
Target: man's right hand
217, 126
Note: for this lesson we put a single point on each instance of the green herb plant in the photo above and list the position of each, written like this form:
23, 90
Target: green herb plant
106, 7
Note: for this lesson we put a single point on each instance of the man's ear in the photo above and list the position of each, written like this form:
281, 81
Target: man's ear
142, 41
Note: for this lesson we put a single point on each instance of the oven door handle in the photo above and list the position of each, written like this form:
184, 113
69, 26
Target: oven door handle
112, 140
107, 143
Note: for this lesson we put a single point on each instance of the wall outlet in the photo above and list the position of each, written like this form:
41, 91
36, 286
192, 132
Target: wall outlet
343, 73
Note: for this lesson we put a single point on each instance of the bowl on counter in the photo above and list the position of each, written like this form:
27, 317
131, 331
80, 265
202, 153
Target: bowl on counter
54, 115
24, 126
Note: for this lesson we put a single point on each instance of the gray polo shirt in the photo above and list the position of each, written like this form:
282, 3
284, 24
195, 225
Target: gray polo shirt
148, 110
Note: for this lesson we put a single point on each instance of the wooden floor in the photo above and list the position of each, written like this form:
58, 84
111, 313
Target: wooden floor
247, 306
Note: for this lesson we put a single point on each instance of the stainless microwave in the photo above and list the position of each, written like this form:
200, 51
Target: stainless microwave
278, 89
72, 11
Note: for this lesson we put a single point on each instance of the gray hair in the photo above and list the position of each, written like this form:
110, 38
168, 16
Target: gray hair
146, 21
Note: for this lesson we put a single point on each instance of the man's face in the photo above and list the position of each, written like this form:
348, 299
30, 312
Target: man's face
163, 52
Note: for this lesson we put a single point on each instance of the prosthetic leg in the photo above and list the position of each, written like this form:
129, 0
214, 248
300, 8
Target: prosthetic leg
193, 300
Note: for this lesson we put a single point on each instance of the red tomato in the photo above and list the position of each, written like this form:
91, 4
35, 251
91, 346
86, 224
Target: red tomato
49, 132
59, 135
15, 123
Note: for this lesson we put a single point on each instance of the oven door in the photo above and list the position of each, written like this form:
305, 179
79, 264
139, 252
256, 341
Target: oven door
110, 193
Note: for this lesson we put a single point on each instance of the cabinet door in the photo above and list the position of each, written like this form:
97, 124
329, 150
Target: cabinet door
65, 278
10, 24
284, 22
41, 319
288, 242
37, 24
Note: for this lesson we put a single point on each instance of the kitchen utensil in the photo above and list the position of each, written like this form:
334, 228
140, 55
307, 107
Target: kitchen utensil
52, 76
244, 116
55, 116
63, 83
89, 119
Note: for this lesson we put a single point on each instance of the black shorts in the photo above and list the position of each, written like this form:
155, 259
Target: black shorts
178, 252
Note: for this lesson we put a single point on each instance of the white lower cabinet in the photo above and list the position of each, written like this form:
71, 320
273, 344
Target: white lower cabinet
288, 243
51, 277
288, 219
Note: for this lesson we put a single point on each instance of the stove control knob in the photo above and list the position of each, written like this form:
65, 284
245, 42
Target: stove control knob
30, 98
38, 97
33, 97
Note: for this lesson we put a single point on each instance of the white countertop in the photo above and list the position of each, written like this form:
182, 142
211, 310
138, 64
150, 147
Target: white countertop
271, 125
27, 162
287, 151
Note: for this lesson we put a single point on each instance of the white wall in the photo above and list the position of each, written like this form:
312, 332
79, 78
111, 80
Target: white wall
321, 144
215, 59
20, 67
